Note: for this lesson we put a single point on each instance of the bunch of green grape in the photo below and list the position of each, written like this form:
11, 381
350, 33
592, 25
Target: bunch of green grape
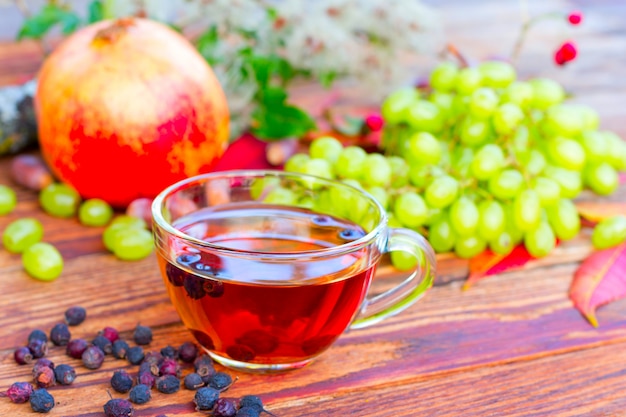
480, 160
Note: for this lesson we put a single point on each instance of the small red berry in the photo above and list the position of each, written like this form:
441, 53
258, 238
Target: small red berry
575, 17
567, 52
374, 122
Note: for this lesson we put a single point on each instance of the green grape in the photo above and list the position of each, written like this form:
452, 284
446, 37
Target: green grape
497, 74
377, 171
521, 139
425, 116
547, 189
506, 184
326, 147
602, 178
423, 148
410, 209
527, 210
95, 212
507, 118
464, 216
441, 192
566, 153
469, 246
596, 146
590, 117
443, 77
42, 261
564, 119
281, 196
617, 151
133, 244
491, 221
468, 80
459, 105
129, 221
392, 221
351, 162
609, 232
59, 200
117, 226
419, 175
564, 219
462, 161
379, 194
518, 92
296, 162
444, 101
483, 103
399, 171
263, 185
546, 93
22, 233
434, 214
488, 161
8, 200
536, 162
503, 244
324, 202
403, 261
474, 131
569, 181
318, 167
540, 241
511, 228
441, 236
395, 107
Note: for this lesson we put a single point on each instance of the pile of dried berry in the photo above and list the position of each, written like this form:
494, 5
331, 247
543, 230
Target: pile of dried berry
162, 371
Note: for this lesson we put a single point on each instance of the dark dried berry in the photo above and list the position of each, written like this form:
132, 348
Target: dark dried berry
204, 366
167, 384
187, 352
213, 288
225, 407
121, 381
75, 315
220, 381
251, 401
243, 353
23, 355
259, 341
38, 348
146, 378
205, 398
169, 367
38, 335
119, 349
194, 287
175, 275
64, 374
60, 334
118, 407
142, 335
135, 355
149, 367
140, 394
43, 363
247, 412
93, 357
19, 392
44, 377
41, 401
110, 333
193, 381
154, 358
103, 343
76, 347
169, 352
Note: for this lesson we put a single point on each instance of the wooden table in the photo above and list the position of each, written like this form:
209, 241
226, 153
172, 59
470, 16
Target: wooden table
512, 345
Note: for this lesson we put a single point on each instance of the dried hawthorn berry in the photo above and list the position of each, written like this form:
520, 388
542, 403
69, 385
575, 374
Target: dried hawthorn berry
169, 367
118, 407
220, 381
38, 335
75, 315
93, 357
259, 341
43, 362
60, 334
194, 287
175, 275
205, 398
19, 392
110, 333
167, 384
64, 374
204, 339
146, 378
38, 348
153, 358
213, 288
149, 367
119, 349
121, 381
251, 401
142, 335
247, 412
135, 355
187, 352
44, 377
193, 381
225, 407
242, 353
169, 352
23, 355
103, 343
76, 347
140, 394
204, 366
41, 401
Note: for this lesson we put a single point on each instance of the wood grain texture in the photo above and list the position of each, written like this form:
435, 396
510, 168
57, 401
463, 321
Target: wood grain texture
512, 345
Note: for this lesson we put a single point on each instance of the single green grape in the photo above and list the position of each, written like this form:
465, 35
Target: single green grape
569, 181
469, 246
42, 261
261, 186
547, 189
379, 194
351, 162
281, 196
8, 200
474, 131
506, 184
516, 235
22, 233
129, 221
133, 244
296, 162
596, 146
546, 93
395, 107
492, 221
403, 261
443, 77
442, 191
503, 244
425, 116
59, 200
518, 92
497, 74
483, 103
507, 118
444, 101
119, 225
419, 175
566, 153
95, 212
459, 105
326, 147
424, 148
617, 151
521, 139
377, 171
318, 167
392, 221
434, 214
527, 210
464, 216
563, 120
540, 241
609, 232
564, 219
590, 117
602, 178
462, 161
488, 161
468, 80
536, 162
399, 171
441, 236
410, 209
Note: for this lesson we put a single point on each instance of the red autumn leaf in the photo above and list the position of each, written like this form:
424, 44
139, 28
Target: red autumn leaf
599, 280
595, 211
489, 263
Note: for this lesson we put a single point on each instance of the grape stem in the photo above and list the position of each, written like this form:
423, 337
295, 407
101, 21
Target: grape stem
458, 55
526, 26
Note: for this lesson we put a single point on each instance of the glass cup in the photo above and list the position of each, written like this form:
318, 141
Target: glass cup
268, 268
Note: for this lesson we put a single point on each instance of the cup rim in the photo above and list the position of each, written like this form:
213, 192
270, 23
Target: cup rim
158, 202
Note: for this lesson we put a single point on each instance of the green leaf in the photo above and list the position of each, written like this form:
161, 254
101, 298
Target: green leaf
273, 96
327, 78
50, 15
207, 44
280, 122
95, 12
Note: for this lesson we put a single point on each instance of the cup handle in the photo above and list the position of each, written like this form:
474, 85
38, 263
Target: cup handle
395, 300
